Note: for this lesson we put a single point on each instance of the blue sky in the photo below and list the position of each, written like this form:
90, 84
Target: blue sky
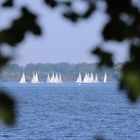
62, 41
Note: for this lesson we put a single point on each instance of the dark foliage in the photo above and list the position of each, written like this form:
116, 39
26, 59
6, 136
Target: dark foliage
51, 3
105, 57
4, 60
7, 108
8, 3
131, 74
16, 33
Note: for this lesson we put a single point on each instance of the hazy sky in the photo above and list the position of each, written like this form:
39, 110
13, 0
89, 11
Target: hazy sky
62, 41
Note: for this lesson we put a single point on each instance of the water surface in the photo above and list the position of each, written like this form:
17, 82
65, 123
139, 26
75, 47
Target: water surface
71, 112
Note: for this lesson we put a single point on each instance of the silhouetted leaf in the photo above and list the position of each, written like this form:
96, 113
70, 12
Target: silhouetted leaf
8, 3
4, 60
105, 57
89, 11
116, 30
7, 108
16, 33
120, 29
51, 3
71, 16
135, 54
67, 3
115, 7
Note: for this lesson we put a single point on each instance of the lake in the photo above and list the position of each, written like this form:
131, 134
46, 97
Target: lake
72, 112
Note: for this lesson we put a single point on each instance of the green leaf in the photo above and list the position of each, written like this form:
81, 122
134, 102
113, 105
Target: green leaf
131, 80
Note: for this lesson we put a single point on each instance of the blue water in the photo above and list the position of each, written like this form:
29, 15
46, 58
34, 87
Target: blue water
72, 112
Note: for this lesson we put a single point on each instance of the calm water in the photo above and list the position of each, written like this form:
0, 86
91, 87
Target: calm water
72, 112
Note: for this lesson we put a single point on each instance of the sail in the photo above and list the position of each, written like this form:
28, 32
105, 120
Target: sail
79, 79
60, 78
48, 78
96, 78
52, 78
23, 80
35, 78
56, 79
91, 79
86, 78
105, 78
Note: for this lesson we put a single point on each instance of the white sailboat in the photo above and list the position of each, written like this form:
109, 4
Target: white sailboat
56, 78
60, 78
96, 79
23, 80
86, 78
52, 78
35, 78
79, 79
48, 78
91, 78
105, 78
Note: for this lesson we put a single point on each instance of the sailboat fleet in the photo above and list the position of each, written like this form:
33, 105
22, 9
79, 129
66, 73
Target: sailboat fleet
89, 78
35, 78
57, 78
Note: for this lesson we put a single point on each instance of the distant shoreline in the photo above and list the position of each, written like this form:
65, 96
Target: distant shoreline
69, 72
